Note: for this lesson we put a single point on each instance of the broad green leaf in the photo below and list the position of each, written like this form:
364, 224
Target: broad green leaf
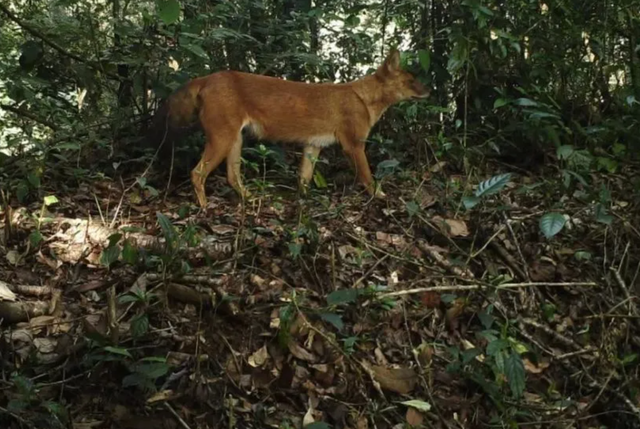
110, 255
319, 180
126, 299
470, 202
602, 216
412, 208
486, 319
425, 59
514, 370
496, 347
342, 296
317, 425
500, 102
129, 253
35, 238
526, 102
117, 351
168, 10
492, 185
114, 238
197, 50
152, 370
417, 404
386, 167
49, 200
471, 354
608, 164
582, 255
334, 319
551, 224
167, 228
139, 325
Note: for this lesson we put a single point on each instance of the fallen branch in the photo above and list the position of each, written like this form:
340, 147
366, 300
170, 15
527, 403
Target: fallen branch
451, 288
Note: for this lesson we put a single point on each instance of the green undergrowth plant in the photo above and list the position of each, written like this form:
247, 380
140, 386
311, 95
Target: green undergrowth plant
27, 404
170, 257
496, 366
137, 371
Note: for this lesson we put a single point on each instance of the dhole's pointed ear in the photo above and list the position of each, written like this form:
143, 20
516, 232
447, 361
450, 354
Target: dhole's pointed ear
391, 63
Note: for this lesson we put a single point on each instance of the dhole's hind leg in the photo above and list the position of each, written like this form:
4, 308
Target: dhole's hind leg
310, 155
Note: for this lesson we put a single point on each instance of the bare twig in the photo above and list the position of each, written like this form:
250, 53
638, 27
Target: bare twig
176, 415
449, 288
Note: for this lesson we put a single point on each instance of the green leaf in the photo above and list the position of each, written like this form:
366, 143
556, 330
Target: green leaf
602, 216
514, 370
49, 200
167, 229
153, 370
125, 299
319, 180
139, 325
526, 102
492, 185
412, 208
168, 10
334, 319
417, 404
35, 238
197, 50
118, 351
496, 347
565, 151
424, 57
500, 102
110, 255
551, 224
608, 164
114, 238
486, 319
317, 425
470, 202
386, 167
342, 296
582, 255
129, 253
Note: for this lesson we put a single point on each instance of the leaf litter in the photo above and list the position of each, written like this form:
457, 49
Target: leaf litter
334, 312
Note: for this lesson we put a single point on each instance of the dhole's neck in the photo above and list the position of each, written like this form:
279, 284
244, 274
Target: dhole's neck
371, 90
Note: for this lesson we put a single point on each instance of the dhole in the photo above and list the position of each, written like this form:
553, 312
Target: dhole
314, 115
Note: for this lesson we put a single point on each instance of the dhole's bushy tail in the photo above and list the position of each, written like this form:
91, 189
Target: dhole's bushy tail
176, 117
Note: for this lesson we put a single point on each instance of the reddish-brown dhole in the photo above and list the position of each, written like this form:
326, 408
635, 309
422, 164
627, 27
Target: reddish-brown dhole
314, 115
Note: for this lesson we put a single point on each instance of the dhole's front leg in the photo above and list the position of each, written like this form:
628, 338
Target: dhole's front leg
224, 141
356, 154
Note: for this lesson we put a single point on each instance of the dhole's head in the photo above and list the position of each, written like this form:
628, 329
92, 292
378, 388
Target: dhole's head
398, 84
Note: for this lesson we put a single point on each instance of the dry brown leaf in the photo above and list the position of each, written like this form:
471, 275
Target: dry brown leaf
454, 312
414, 417
399, 380
223, 229
259, 358
6, 294
162, 396
533, 368
301, 353
452, 227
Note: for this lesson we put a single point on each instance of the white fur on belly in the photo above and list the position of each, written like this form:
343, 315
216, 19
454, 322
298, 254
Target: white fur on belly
322, 140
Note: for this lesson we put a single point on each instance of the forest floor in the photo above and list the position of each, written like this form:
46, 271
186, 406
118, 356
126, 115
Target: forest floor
331, 310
